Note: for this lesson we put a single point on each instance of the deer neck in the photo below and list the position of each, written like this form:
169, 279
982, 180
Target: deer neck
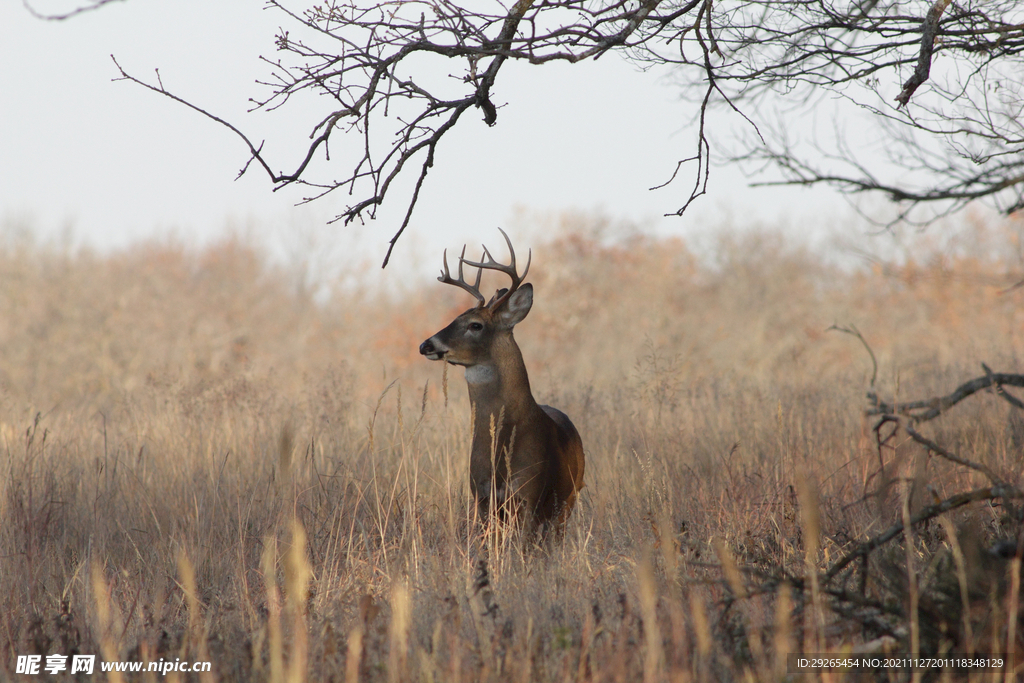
500, 386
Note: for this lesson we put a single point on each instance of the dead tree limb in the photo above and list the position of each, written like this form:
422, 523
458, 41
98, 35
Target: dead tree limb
852, 330
929, 29
930, 408
949, 455
930, 512
1008, 397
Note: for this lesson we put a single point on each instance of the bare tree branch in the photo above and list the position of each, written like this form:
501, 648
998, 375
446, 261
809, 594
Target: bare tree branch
930, 408
929, 28
396, 76
96, 4
853, 331
949, 455
960, 139
1008, 397
929, 512
377, 63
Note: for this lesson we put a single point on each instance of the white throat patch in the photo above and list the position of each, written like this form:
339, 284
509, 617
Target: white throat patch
480, 374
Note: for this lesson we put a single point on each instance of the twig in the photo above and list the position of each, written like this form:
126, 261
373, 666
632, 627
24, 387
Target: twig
65, 15
852, 330
952, 457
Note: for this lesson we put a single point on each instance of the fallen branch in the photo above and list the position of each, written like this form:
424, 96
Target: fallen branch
951, 503
929, 409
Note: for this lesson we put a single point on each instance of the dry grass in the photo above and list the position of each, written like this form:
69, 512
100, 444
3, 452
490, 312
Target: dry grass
201, 462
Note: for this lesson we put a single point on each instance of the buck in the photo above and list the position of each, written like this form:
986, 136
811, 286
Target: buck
526, 462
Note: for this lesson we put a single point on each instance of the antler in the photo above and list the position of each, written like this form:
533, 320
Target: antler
474, 289
510, 269
489, 264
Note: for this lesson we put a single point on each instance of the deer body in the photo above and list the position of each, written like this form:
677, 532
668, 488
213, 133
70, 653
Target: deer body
526, 459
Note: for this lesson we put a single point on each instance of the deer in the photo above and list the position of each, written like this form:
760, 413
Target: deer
526, 462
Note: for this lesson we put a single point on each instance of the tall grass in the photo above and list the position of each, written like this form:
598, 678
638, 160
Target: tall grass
202, 462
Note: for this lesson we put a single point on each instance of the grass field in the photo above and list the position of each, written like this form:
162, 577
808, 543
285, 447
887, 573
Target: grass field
202, 462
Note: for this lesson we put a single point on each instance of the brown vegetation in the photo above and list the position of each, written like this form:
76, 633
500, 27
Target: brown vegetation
200, 461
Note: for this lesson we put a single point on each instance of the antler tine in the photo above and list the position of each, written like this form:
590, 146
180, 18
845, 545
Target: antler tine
529, 256
474, 289
509, 269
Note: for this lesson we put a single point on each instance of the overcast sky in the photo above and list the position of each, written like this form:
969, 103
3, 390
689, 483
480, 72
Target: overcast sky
109, 163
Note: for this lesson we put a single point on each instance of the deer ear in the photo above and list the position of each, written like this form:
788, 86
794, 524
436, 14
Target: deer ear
517, 306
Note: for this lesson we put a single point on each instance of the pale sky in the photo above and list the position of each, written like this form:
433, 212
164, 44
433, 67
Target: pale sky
110, 163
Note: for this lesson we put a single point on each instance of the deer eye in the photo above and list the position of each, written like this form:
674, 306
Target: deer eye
476, 327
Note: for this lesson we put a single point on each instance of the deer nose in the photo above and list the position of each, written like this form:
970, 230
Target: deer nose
434, 348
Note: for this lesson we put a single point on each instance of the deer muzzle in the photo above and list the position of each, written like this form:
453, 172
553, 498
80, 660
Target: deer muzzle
433, 349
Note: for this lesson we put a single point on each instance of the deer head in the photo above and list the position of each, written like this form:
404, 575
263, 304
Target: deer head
470, 338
